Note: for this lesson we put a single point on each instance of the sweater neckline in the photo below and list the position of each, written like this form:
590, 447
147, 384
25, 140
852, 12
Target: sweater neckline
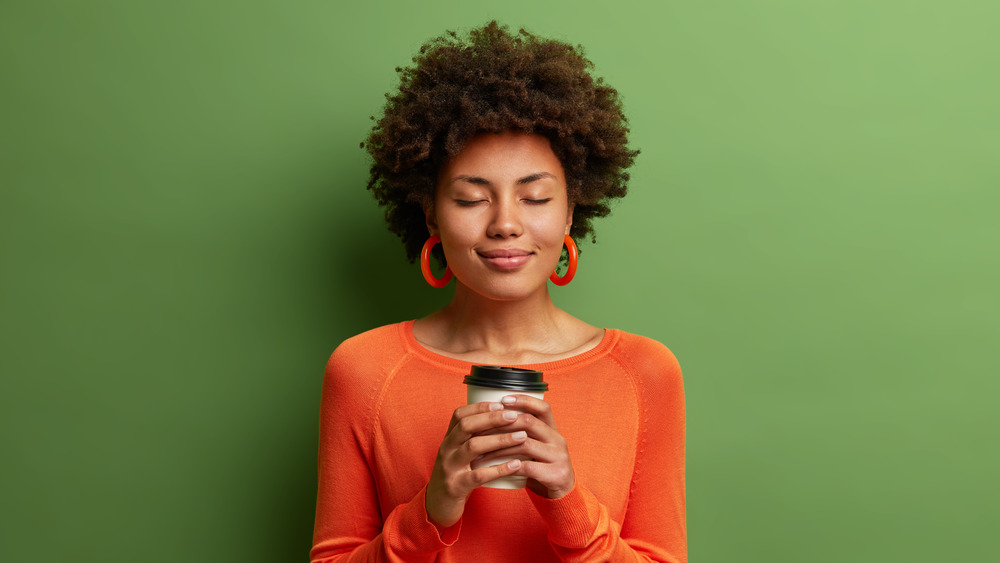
414, 347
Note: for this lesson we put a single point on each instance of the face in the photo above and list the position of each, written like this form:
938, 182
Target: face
502, 211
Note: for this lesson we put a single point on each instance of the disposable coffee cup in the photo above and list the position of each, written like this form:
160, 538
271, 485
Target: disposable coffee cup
491, 383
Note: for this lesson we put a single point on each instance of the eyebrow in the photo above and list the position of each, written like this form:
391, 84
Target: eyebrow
484, 182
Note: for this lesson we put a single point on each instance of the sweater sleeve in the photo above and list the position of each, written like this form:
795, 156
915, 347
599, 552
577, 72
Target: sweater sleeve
349, 524
653, 529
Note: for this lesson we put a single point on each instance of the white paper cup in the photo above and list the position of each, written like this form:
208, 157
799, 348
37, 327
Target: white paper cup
492, 383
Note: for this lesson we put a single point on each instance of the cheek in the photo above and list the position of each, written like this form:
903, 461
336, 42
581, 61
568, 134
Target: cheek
457, 238
553, 227
457, 233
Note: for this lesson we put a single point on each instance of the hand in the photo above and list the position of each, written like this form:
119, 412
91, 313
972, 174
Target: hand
549, 470
474, 430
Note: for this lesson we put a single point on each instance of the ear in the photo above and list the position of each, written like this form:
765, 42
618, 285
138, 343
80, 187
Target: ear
569, 217
430, 218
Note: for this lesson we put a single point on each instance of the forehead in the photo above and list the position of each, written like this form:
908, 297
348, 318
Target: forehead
504, 156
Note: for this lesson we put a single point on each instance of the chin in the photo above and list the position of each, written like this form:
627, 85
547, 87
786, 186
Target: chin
511, 289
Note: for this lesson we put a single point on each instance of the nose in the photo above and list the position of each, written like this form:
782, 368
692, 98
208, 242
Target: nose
506, 220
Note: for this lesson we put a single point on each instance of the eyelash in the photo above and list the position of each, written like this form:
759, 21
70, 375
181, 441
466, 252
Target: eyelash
469, 203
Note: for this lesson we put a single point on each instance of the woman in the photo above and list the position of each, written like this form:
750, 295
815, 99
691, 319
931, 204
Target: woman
502, 148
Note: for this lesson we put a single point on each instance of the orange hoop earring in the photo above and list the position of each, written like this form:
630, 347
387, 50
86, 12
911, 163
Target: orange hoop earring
571, 268
425, 264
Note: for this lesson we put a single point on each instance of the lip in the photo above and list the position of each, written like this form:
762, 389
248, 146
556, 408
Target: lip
505, 258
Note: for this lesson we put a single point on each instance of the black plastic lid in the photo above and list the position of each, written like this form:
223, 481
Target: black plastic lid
513, 379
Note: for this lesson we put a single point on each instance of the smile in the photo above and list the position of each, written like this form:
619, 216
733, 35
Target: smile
505, 259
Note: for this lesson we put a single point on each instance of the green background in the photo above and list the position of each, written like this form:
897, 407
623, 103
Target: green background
185, 237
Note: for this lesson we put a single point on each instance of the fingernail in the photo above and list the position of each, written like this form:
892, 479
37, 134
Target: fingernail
509, 415
508, 400
495, 406
519, 435
514, 464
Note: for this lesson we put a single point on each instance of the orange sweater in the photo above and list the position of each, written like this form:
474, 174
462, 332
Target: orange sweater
385, 409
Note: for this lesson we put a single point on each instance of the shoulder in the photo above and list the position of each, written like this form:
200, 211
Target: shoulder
370, 340
651, 365
656, 375
367, 354
645, 354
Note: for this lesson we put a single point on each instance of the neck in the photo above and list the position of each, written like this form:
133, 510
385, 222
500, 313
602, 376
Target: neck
514, 331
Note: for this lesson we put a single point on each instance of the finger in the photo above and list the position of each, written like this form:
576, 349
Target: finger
471, 409
532, 405
557, 479
483, 475
536, 429
528, 448
479, 447
475, 408
478, 423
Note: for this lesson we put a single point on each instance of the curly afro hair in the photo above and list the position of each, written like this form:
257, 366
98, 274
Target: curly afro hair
496, 81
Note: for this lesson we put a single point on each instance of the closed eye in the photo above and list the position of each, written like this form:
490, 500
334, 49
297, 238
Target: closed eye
468, 202
538, 201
